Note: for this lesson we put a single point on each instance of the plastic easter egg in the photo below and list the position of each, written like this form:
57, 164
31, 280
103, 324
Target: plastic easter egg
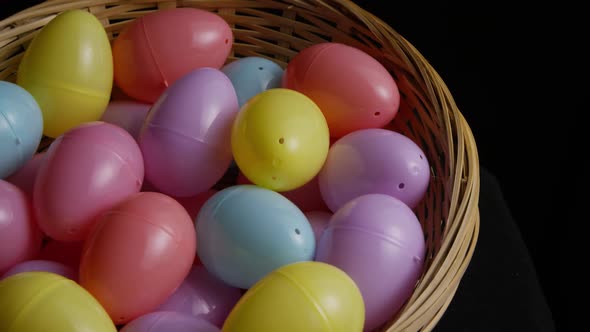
280, 139
374, 161
126, 114
245, 231
158, 48
353, 90
26, 176
67, 253
203, 295
20, 238
68, 68
137, 255
252, 75
43, 301
43, 266
167, 321
378, 241
307, 197
186, 136
21, 127
103, 166
194, 204
303, 296
319, 221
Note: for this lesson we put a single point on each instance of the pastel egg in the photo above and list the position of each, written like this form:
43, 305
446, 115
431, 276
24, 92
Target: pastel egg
379, 242
103, 166
252, 75
25, 177
68, 68
186, 137
280, 139
203, 295
44, 301
138, 254
353, 90
21, 128
43, 266
303, 296
245, 231
127, 114
157, 49
167, 321
20, 237
372, 161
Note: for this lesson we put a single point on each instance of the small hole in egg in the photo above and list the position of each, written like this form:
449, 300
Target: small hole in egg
297, 231
421, 157
401, 185
274, 178
377, 113
281, 140
260, 68
226, 40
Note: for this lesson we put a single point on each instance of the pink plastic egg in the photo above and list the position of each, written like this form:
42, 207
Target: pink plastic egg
379, 242
203, 295
157, 49
43, 266
307, 197
374, 161
20, 238
353, 90
25, 177
186, 137
126, 114
138, 254
67, 253
89, 169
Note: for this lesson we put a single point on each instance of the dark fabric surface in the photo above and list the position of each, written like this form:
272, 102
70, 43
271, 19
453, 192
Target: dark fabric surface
495, 60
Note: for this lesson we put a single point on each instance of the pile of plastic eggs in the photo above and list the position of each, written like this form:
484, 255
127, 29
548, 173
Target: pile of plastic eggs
186, 190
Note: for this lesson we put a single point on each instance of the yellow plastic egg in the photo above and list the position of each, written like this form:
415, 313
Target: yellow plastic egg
68, 68
303, 296
43, 301
280, 139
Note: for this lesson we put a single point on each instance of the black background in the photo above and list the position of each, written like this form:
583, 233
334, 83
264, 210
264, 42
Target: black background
498, 60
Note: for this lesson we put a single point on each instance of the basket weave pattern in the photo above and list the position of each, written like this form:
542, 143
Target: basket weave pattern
278, 30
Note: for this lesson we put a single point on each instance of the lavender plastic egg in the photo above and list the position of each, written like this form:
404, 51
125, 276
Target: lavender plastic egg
166, 321
127, 114
203, 295
186, 137
378, 241
374, 161
43, 266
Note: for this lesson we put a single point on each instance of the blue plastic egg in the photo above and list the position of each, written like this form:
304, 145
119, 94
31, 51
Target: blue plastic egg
244, 232
21, 127
252, 75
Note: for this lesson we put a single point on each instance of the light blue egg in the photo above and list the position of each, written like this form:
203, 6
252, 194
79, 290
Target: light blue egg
252, 75
21, 127
245, 231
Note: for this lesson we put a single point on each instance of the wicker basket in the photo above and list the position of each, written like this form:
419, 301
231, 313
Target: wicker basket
278, 30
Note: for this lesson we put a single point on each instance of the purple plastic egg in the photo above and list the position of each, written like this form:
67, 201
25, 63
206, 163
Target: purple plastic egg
319, 221
43, 266
203, 295
167, 321
186, 137
127, 114
374, 161
379, 242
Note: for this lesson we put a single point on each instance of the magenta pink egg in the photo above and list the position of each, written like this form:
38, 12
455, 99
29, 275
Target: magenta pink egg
203, 295
168, 321
379, 242
20, 238
374, 161
186, 137
353, 90
126, 114
43, 266
86, 171
25, 177
138, 254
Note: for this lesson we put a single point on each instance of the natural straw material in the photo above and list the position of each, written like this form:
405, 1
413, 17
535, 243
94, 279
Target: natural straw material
278, 30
